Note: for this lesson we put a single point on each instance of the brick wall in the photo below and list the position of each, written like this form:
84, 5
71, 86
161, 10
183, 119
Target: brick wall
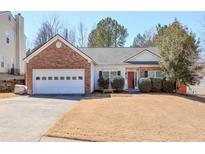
58, 58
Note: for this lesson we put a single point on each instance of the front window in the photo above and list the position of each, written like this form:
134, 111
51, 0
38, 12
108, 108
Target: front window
113, 75
105, 75
158, 75
110, 75
151, 74
154, 74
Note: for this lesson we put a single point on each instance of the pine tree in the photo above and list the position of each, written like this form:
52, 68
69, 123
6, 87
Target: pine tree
108, 33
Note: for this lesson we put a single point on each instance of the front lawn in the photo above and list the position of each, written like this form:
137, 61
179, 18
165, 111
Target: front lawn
6, 95
144, 117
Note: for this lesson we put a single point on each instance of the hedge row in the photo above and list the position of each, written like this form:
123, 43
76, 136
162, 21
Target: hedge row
155, 85
145, 84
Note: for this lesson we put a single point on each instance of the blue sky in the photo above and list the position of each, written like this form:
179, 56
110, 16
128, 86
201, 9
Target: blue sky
135, 22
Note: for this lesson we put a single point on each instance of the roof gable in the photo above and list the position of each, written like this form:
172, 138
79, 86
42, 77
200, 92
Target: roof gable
143, 56
49, 42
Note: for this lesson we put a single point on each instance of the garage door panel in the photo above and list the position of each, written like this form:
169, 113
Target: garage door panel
58, 81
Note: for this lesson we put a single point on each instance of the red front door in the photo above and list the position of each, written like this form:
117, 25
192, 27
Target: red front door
130, 79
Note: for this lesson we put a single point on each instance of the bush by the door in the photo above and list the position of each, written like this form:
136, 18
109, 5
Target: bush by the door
156, 84
145, 85
168, 86
118, 83
103, 83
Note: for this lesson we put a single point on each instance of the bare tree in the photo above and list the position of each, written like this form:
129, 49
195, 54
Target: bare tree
49, 28
65, 33
82, 35
144, 40
70, 35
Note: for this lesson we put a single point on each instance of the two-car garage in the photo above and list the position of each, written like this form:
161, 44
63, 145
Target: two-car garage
58, 81
57, 67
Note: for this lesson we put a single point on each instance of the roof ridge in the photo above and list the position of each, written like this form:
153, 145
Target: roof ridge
115, 47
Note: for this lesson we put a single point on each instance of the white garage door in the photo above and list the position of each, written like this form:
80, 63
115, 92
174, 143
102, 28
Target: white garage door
58, 81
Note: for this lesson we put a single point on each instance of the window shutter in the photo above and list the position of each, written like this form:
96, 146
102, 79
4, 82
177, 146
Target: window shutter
100, 74
118, 73
145, 74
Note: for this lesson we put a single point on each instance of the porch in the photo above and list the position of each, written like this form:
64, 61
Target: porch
130, 73
132, 76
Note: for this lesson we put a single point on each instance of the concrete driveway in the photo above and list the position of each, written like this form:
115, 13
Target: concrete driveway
25, 118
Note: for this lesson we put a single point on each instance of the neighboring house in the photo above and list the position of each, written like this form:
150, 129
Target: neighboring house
12, 43
199, 89
58, 67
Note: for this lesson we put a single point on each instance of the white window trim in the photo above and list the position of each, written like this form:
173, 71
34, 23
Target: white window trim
109, 75
155, 74
160, 74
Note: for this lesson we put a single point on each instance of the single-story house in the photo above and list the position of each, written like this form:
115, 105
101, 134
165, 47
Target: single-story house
58, 67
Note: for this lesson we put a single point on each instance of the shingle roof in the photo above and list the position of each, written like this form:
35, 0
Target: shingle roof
111, 55
116, 55
1, 12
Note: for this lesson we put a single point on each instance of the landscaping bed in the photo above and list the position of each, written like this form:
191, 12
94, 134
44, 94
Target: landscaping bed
143, 117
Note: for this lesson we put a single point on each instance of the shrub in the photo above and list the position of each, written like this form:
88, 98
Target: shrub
168, 86
156, 84
145, 85
102, 83
118, 83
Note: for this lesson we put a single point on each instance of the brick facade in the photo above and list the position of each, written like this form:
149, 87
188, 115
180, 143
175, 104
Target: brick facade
143, 69
58, 58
